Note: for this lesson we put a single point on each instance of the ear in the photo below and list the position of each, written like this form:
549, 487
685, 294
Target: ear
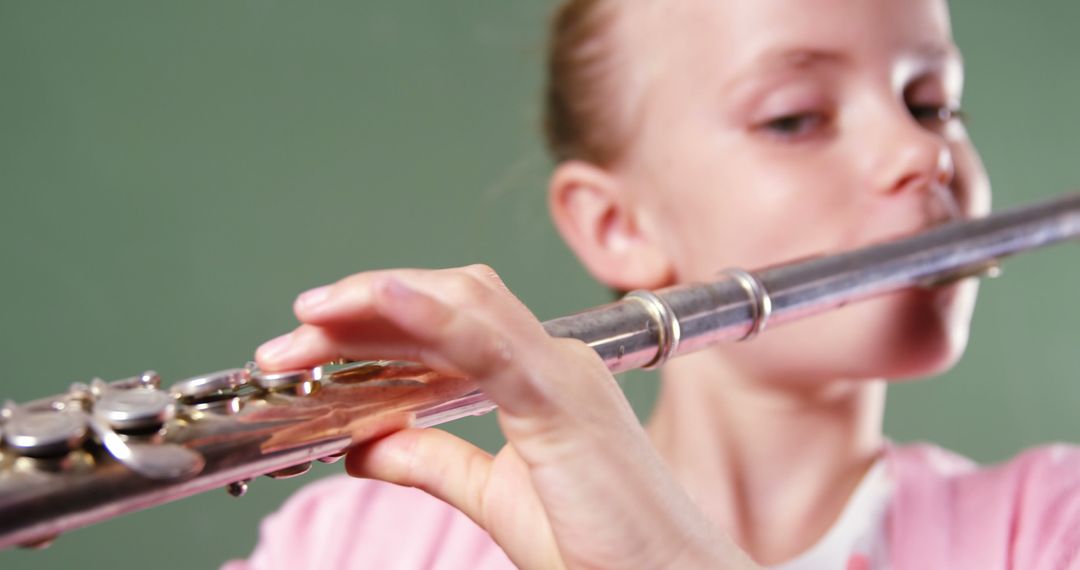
599, 221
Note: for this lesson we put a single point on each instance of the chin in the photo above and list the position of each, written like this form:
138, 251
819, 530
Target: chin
924, 331
905, 335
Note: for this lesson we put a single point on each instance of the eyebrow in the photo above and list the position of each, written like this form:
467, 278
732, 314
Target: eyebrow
786, 58
798, 58
801, 58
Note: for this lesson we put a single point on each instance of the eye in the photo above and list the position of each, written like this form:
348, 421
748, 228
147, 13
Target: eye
795, 125
935, 115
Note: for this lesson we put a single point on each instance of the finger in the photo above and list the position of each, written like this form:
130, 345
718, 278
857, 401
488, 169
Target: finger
379, 337
454, 339
310, 345
303, 347
353, 297
350, 297
411, 325
431, 460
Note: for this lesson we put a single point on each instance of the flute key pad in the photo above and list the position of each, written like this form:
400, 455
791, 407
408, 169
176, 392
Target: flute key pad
45, 434
279, 381
207, 386
135, 409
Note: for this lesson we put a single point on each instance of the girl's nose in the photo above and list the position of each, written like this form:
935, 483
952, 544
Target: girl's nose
911, 156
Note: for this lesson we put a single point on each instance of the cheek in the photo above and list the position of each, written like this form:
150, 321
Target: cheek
749, 213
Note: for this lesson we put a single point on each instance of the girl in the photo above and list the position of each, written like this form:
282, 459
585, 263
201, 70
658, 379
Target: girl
690, 136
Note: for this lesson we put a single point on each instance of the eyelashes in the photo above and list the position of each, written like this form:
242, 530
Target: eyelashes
794, 127
936, 115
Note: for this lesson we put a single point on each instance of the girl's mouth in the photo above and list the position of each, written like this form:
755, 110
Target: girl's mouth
947, 202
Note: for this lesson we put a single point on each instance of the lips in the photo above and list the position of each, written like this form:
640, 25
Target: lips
916, 215
945, 200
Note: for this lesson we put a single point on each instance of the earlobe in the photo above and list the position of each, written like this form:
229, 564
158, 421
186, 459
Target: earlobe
602, 224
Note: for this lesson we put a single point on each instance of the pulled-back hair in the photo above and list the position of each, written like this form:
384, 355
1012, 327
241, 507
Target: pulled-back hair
582, 113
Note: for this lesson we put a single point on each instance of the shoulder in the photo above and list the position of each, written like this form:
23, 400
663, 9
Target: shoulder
1024, 512
1046, 506
341, 522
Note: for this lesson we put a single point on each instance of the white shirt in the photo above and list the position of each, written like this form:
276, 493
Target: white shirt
858, 539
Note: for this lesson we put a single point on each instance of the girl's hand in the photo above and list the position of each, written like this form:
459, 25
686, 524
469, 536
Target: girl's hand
578, 483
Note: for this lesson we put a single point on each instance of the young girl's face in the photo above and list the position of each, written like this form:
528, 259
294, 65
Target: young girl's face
771, 130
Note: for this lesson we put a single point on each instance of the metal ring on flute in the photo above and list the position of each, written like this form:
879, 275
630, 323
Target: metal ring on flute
760, 301
669, 333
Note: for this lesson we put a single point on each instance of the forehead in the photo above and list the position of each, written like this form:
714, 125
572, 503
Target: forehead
728, 36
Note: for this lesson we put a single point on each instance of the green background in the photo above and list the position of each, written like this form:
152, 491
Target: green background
172, 174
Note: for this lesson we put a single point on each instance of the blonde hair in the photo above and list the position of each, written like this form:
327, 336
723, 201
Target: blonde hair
581, 115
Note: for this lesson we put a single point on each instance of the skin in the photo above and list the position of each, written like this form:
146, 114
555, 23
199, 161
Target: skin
763, 131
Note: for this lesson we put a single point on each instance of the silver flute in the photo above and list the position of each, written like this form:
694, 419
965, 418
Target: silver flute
102, 449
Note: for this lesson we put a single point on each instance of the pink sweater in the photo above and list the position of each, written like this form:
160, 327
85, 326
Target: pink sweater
943, 512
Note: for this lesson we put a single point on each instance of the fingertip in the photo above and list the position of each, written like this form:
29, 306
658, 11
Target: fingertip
271, 351
356, 462
310, 300
432, 460
305, 346
333, 304
382, 458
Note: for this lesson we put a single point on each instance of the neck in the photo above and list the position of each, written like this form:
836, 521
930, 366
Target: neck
771, 466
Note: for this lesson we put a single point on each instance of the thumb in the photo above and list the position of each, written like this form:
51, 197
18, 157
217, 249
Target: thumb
434, 461
495, 492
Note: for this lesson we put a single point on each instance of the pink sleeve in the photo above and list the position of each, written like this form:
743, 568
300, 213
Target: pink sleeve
1047, 533
340, 522
1023, 514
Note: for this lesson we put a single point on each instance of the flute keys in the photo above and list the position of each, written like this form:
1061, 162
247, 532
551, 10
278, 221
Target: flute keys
45, 434
147, 379
222, 404
290, 472
136, 409
238, 488
301, 382
40, 543
207, 386
153, 460
333, 458
7, 411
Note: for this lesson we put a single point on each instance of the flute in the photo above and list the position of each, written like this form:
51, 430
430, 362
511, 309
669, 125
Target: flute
102, 449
